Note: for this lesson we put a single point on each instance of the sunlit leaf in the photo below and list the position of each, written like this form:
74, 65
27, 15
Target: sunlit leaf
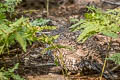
21, 40
115, 57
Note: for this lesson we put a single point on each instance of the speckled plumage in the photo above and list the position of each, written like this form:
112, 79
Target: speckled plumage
71, 60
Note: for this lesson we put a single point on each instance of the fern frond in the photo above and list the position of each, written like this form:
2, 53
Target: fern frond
98, 21
115, 57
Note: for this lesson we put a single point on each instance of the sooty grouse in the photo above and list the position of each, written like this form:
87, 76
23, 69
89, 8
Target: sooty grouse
79, 60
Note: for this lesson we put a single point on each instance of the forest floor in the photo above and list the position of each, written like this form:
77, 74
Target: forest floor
35, 66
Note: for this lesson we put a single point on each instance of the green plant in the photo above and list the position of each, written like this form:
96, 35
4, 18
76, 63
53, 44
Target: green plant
11, 4
40, 22
21, 30
7, 7
115, 57
99, 22
9, 74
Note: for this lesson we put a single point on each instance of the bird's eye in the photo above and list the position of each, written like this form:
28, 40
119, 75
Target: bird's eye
61, 2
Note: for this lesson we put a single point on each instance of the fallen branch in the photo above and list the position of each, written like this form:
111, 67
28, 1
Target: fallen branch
112, 3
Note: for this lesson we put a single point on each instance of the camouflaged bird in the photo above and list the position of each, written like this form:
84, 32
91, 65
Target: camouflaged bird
79, 60
70, 60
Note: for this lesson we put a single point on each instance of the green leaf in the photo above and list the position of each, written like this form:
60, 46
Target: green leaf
56, 62
73, 20
17, 77
40, 22
98, 21
110, 34
115, 57
19, 22
77, 24
14, 68
9, 74
21, 40
55, 37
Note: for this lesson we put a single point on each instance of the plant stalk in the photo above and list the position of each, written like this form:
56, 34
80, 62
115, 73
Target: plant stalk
47, 6
105, 61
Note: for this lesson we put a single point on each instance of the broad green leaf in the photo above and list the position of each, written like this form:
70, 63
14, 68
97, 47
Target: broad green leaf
110, 34
77, 24
19, 22
55, 37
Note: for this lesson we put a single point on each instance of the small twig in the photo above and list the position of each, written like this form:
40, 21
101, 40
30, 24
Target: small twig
114, 68
24, 55
46, 64
26, 11
105, 61
103, 69
11, 51
45, 32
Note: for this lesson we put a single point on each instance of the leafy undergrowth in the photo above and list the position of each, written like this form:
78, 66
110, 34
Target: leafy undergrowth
20, 33
101, 22
98, 22
9, 74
